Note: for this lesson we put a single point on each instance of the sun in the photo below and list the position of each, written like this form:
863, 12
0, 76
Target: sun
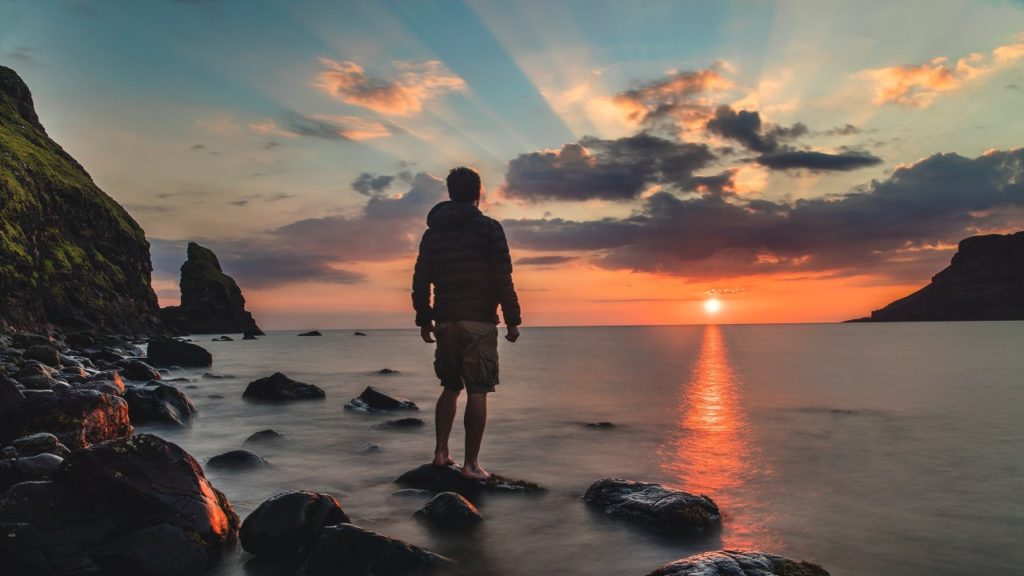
712, 305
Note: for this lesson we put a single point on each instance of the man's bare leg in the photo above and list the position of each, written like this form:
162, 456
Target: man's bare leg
476, 421
444, 417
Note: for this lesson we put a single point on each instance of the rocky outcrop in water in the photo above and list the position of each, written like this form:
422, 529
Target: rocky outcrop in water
984, 281
279, 388
450, 510
163, 351
654, 506
738, 563
69, 254
290, 523
374, 399
211, 301
155, 402
237, 460
450, 479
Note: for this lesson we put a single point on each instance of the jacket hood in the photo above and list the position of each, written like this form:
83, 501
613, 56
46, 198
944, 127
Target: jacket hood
448, 215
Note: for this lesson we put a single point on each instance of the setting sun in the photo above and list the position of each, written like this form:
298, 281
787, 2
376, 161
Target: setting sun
712, 305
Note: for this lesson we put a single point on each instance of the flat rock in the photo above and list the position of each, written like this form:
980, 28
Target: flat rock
156, 402
449, 479
655, 506
738, 563
289, 523
237, 460
311, 333
374, 399
165, 351
278, 387
351, 550
401, 424
450, 510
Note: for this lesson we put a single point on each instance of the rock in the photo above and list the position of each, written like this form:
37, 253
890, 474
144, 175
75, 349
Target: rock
251, 334
387, 371
101, 496
104, 386
374, 399
103, 355
38, 466
160, 403
450, 510
8, 453
223, 339
139, 370
71, 361
369, 448
237, 460
165, 351
278, 387
79, 418
10, 394
401, 424
351, 550
108, 376
289, 523
216, 396
211, 301
80, 340
216, 376
264, 437
29, 339
40, 443
44, 353
600, 425
449, 479
359, 334
653, 505
311, 333
37, 382
738, 563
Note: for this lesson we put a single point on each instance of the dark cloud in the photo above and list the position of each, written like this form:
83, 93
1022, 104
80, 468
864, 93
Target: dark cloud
369, 184
617, 169
879, 227
817, 161
845, 130
550, 260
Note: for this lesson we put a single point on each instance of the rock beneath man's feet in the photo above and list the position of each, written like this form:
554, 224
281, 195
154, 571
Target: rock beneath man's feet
450, 479
738, 563
237, 460
660, 508
374, 399
289, 523
450, 510
278, 387
163, 351
159, 403
348, 549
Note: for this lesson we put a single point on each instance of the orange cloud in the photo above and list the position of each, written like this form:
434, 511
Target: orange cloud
919, 85
682, 98
402, 95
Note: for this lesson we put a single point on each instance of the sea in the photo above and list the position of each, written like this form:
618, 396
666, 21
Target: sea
893, 449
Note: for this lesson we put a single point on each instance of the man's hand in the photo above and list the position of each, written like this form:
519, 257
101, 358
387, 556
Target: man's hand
425, 332
513, 334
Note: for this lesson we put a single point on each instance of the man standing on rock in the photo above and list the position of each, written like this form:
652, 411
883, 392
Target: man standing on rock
465, 256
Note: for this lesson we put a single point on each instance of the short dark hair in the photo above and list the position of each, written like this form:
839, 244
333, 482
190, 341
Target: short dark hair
464, 185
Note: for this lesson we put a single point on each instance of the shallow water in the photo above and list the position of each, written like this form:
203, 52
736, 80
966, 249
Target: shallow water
891, 449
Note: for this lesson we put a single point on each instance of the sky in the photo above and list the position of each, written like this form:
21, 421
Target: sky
797, 165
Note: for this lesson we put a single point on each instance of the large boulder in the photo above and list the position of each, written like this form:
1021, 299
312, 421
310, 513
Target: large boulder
165, 351
138, 505
353, 551
374, 399
289, 523
655, 506
449, 479
156, 402
450, 510
79, 418
738, 563
211, 301
278, 387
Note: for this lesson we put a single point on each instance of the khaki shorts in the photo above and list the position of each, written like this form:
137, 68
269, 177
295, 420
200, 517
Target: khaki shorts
467, 355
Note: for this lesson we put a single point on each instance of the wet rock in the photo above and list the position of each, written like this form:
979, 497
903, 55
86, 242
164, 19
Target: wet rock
449, 479
102, 354
110, 376
30, 339
401, 424
359, 334
38, 466
45, 353
216, 376
223, 339
311, 333
165, 351
73, 374
387, 371
40, 443
450, 510
237, 460
369, 448
38, 381
215, 396
351, 550
374, 399
79, 418
10, 393
289, 523
71, 361
264, 437
600, 425
139, 370
159, 403
278, 387
738, 563
104, 386
161, 550
653, 505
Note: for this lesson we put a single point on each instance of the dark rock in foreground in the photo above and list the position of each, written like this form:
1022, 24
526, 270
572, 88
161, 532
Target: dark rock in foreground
278, 387
289, 523
738, 563
660, 508
160, 403
138, 505
237, 460
79, 418
401, 424
449, 479
450, 510
311, 333
353, 551
374, 399
165, 351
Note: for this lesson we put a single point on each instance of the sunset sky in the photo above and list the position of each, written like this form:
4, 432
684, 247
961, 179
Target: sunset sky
799, 162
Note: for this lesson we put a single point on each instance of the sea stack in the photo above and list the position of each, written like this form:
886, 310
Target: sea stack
211, 301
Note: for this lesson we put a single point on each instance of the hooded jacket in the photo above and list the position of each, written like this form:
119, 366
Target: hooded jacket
465, 256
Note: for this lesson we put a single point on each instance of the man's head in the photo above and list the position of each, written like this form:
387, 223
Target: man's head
464, 185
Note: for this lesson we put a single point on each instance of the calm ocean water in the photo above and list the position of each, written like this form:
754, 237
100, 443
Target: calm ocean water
892, 449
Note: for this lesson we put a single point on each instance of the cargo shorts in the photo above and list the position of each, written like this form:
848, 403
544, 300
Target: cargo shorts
467, 355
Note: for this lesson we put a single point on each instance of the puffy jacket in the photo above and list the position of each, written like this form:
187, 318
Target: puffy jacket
465, 256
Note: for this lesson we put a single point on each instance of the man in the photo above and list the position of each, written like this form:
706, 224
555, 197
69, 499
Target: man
465, 256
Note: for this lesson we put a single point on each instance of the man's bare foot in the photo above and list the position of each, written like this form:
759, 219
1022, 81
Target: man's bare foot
443, 460
475, 473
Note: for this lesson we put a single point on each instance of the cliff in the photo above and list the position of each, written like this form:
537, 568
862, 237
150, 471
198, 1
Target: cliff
211, 301
984, 281
70, 255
